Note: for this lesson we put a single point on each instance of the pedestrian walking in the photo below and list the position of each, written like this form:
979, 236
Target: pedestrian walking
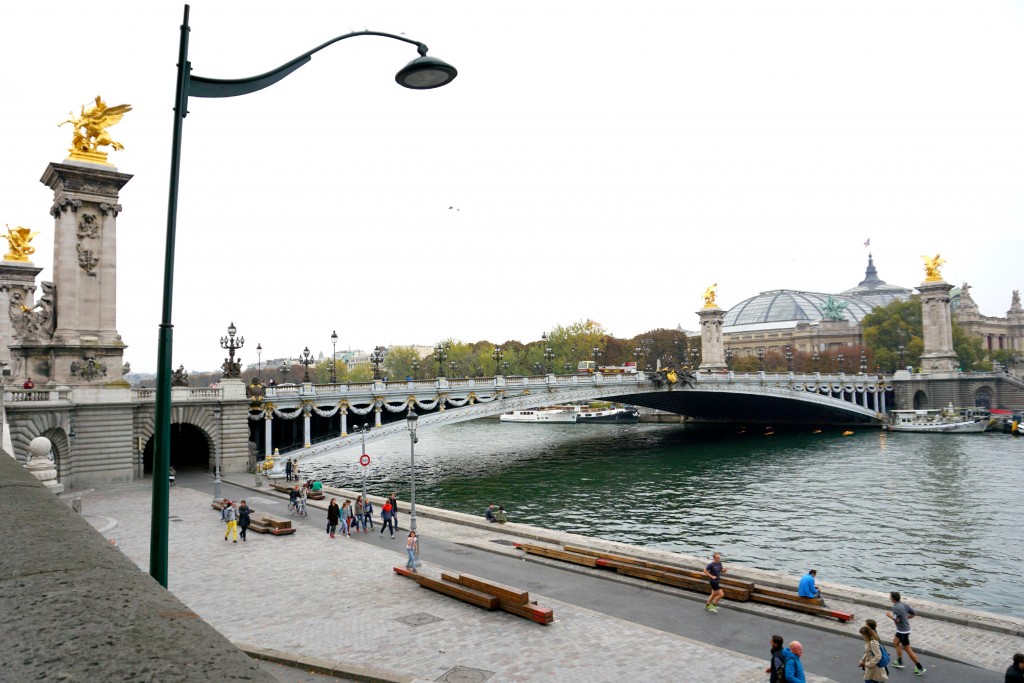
346, 519
367, 514
871, 661
776, 660
288, 470
295, 469
1016, 671
901, 614
385, 516
333, 513
243, 518
358, 512
230, 515
412, 547
714, 572
793, 672
393, 499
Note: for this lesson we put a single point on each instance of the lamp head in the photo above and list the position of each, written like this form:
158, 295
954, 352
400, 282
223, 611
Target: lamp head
232, 329
334, 337
424, 73
259, 348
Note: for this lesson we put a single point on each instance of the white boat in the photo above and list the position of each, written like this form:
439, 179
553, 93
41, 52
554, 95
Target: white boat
626, 415
939, 420
549, 415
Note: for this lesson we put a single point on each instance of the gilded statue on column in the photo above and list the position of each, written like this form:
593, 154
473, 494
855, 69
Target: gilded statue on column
931, 268
19, 239
91, 130
709, 296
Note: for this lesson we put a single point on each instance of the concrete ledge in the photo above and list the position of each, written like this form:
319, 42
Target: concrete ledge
72, 607
325, 667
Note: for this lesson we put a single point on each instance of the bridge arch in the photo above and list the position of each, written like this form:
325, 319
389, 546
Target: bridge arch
984, 397
920, 400
193, 445
54, 426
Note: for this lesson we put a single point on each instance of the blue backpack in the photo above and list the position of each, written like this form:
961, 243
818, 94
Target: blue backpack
884, 662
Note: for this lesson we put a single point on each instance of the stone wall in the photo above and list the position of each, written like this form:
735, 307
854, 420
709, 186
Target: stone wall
72, 607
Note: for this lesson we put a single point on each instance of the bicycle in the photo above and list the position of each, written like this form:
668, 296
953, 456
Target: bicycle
299, 506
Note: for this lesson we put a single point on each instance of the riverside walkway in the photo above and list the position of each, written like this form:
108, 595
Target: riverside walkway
336, 603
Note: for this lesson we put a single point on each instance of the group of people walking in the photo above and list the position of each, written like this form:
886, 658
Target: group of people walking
359, 516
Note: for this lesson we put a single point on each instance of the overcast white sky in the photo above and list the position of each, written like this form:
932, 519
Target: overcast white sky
604, 160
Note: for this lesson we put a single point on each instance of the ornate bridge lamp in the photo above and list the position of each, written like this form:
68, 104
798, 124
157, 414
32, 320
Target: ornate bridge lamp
422, 73
505, 366
815, 358
637, 354
728, 359
259, 362
537, 367
285, 369
596, 353
789, 358
306, 359
440, 355
839, 357
231, 367
415, 368
695, 357
376, 358
760, 358
497, 355
901, 349
334, 357
549, 357
568, 367
863, 362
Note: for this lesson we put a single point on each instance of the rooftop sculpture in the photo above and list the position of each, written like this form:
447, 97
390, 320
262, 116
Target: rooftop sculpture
709, 296
19, 239
931, 268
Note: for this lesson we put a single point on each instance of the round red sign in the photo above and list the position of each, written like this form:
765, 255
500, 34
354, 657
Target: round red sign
364, 460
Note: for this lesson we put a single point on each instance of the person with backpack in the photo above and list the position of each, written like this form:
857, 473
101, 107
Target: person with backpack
777, 661
871, 662
367, 514
873, 625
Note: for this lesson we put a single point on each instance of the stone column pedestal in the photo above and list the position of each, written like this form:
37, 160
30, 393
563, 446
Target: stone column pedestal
937, 324
712, 348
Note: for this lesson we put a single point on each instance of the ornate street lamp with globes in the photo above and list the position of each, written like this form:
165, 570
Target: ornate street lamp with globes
231, 367
334, 357
306, 359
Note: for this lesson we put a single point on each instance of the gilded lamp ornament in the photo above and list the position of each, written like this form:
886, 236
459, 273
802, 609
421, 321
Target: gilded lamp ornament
19, 239
709, 296
91, 131
931, 268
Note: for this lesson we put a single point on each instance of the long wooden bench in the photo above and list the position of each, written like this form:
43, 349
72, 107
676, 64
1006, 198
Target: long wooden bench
473, 597
484, 593
688, 579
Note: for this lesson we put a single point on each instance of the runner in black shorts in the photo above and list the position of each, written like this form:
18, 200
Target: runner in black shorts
714, 572
901, 615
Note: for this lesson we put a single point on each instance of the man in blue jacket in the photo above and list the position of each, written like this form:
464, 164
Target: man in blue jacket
794, 667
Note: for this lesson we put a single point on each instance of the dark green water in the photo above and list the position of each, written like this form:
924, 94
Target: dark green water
934, 516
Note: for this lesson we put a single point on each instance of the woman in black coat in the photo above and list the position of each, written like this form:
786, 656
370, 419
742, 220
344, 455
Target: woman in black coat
333, 516
243, 518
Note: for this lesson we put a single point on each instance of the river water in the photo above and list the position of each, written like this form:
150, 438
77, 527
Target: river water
935, 516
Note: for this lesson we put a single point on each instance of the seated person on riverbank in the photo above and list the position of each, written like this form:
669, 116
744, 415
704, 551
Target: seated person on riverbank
489, 515
500, 517
317, 486
807, 588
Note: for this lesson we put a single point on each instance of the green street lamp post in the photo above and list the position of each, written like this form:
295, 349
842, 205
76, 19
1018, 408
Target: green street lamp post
497, 355
422, 73
549, 357
411, 419
306, 358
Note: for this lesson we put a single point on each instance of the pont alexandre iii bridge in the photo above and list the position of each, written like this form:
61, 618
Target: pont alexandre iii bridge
101, 430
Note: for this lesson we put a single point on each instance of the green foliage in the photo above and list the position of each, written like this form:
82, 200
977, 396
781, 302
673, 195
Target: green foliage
398, 362
887, 328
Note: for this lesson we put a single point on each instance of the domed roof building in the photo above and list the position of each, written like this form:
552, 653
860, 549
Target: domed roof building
786, 320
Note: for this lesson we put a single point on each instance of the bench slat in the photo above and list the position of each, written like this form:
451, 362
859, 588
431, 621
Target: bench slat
469, 595
802, 607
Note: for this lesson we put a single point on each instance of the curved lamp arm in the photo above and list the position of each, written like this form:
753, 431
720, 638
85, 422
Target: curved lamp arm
200, 86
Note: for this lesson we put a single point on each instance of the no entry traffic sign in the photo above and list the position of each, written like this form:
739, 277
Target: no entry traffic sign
364, 460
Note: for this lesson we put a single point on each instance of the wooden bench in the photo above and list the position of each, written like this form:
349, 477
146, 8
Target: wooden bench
473, 597
688, 579
483, 593
286, 487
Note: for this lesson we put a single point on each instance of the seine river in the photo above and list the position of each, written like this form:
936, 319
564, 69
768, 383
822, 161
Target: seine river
935, 516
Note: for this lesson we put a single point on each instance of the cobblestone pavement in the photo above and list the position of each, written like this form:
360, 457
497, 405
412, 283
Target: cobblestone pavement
339, 600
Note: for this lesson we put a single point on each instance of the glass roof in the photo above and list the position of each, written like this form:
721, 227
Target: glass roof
784, 305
